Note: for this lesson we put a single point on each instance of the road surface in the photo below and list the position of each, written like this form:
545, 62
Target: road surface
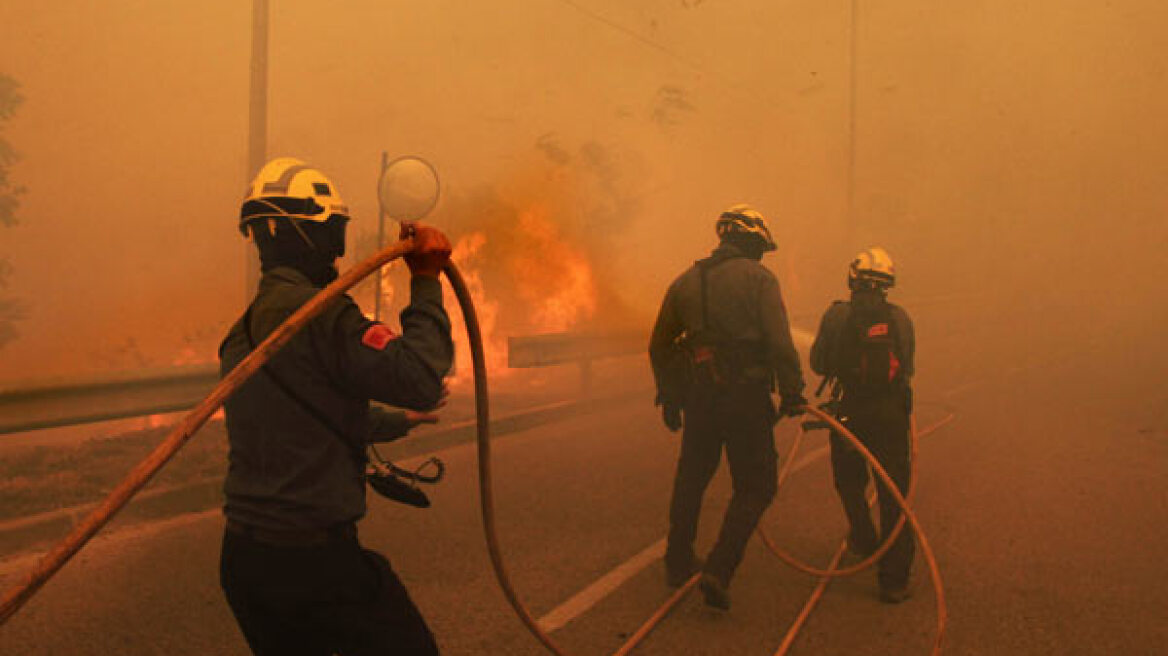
1044, 499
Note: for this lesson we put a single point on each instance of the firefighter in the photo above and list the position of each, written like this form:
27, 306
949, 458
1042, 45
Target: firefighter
865, 348
720, 341
293, 571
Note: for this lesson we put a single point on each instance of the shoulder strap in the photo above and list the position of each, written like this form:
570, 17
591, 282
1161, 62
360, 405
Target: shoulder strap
304, 405
704, 265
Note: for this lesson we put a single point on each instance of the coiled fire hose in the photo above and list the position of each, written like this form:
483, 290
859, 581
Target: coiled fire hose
833, 571
906, 512
867, 561
16, 596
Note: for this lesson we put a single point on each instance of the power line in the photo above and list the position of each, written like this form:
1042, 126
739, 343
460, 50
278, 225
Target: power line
635, 35
688, 63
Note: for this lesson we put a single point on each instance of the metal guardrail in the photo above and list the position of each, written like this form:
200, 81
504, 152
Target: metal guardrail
52, 404
33, 406
40, 405
551, 349
564, 348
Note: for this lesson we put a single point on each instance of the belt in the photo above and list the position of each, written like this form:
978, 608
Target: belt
294, 537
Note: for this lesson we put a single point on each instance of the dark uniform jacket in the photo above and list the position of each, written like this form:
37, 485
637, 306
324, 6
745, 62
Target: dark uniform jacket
743, 305
836, 318
288, 467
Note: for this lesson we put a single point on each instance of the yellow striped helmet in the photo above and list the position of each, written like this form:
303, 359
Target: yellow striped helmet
290, 189
744, 219
873, 266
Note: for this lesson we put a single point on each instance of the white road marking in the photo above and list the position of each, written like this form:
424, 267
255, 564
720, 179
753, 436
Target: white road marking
605, 585
23, 562
580, 602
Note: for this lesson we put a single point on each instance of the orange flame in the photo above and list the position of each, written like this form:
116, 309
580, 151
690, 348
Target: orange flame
554, 278
464, 256
549, 286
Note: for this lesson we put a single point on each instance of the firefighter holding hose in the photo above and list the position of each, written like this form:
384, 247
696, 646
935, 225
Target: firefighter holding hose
720, 341
865, 348
292, 568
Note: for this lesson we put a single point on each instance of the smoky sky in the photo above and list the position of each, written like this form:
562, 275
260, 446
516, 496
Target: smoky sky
999, 147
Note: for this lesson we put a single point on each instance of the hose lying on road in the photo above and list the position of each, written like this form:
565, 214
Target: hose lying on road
906, 513
864, 564
832, 568
689, 585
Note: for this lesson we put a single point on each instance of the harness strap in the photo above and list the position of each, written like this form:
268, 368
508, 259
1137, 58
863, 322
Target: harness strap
303, 404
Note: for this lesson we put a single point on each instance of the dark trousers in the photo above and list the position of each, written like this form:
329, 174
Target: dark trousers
882, 424
332, 598
742, 421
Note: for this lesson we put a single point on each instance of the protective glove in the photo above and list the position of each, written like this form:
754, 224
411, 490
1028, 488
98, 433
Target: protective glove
671, 415
431, 249
792, 405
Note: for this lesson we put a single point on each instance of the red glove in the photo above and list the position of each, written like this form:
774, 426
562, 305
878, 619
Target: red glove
431, 249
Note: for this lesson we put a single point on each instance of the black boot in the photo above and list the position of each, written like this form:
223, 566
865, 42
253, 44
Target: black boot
715, 590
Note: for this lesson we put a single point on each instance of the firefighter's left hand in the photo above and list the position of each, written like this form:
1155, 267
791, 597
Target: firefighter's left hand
430, 416
671, 415
415, 418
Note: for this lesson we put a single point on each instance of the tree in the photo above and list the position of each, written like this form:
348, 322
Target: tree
11, 310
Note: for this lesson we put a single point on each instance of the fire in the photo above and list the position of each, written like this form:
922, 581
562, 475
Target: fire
554, 278
541, 284
530, 263
465, 257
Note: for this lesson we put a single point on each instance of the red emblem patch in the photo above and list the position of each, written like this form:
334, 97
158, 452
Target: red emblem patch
378, 336
878, 330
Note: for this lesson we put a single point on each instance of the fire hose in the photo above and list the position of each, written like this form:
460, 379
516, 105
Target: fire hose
16, 596
906, 512
833, 571
48, 565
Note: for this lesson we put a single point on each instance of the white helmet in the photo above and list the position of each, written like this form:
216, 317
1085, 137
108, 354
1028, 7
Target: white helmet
873, 267
290, 189
744, 219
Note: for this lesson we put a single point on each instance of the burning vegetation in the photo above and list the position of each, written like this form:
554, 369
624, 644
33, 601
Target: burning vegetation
533, 254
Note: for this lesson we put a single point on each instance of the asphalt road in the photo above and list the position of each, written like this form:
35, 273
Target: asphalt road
1044, 499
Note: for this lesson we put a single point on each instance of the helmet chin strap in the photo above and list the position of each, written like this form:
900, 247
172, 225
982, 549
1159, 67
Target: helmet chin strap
292, 219
296, 224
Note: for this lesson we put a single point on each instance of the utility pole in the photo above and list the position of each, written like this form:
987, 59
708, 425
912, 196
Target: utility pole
851, 181
380, 236
257, 123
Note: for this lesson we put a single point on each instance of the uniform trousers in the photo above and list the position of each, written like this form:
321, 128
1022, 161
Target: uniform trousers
739, 419
882, 425
319, 600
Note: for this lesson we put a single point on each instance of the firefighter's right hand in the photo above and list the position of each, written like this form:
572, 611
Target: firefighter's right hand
671, 415
431, 249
